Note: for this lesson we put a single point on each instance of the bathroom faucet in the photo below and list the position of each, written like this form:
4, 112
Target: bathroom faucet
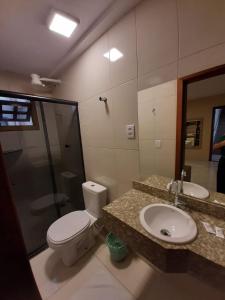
183, 174
174, 187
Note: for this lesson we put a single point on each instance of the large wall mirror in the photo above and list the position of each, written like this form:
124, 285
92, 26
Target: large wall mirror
201, 129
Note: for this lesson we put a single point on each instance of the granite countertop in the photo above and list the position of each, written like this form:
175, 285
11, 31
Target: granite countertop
127, 208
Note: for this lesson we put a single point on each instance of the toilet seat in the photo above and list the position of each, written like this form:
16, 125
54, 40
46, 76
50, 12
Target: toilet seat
68, 227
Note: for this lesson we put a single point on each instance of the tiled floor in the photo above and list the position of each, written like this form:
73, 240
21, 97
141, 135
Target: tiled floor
129, 280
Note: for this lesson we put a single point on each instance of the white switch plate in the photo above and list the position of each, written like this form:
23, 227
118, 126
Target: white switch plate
130, 129
157, 143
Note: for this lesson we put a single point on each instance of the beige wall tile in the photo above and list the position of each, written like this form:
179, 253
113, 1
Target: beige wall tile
157, 121
147, 158
165, 117
201, 25
202, 60
158, 76
157, 111
89, 75
100, 167
157, 34
125, 68
160, 161
127, 168
124, 112
165, 158
97, 123
146, 115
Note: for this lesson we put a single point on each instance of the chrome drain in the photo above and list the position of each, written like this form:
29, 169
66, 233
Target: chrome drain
165, 232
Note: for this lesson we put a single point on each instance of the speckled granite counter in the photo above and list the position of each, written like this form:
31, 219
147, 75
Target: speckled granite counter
204, 257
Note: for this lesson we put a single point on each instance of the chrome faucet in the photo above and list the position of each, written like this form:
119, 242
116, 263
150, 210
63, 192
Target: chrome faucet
174, 187
183, 174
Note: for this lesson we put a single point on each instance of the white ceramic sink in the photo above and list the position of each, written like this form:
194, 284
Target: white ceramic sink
168, 223
194, 190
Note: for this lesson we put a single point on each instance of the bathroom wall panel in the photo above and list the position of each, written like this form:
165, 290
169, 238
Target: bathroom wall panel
125, 68
162, 29
157, 34
202, 60
201, 25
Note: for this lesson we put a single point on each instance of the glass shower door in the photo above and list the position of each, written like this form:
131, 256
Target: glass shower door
28, 167
62, 126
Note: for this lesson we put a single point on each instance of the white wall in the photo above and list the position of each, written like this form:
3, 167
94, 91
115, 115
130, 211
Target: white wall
161, 40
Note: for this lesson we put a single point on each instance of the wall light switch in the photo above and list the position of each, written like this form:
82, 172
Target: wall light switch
130, 129
157, 143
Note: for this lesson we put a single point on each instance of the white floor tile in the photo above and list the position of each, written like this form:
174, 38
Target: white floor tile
131, 279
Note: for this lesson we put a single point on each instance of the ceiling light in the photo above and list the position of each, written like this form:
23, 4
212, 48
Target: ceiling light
62, 24
113, 54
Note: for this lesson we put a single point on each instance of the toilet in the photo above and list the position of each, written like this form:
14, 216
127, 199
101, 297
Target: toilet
74, 234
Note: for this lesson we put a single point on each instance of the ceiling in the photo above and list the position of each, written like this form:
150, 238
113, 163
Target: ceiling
206, 88
27, 46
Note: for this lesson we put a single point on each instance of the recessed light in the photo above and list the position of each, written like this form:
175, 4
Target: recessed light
62, 24
113, 54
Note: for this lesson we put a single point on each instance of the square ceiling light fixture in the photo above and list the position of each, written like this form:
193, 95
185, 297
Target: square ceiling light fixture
62, 24
113, 54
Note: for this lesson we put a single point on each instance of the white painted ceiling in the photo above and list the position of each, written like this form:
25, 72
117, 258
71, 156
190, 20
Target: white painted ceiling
26, 44
206, 88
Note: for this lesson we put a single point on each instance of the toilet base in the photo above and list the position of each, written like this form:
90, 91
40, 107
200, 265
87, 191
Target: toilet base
75, 251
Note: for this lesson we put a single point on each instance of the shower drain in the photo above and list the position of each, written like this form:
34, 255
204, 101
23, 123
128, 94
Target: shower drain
165, 232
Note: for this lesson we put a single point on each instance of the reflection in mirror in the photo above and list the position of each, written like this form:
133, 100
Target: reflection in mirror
193, 134
205, 133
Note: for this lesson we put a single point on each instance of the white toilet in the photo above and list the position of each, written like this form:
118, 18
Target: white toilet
73, 234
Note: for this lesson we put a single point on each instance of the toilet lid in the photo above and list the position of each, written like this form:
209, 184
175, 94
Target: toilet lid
68, 226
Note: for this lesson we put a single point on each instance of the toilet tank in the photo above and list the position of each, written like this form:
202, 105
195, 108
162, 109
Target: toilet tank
95, 196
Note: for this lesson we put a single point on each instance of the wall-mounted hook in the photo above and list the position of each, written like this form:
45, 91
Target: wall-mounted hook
104, 99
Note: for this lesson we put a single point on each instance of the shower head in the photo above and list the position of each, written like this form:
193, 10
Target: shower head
42, 81
35, 80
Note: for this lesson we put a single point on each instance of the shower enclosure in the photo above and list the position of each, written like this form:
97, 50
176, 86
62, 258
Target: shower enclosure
42, 149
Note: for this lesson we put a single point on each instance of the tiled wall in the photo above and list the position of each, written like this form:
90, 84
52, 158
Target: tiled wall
157, 129
161, 40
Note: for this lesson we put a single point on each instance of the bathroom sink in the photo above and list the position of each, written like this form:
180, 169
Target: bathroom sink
168, 223
194, 190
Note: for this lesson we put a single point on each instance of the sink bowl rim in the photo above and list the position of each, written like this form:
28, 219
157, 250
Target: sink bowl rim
181, 240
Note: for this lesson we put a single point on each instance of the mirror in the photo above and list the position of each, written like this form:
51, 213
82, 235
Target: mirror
204, 153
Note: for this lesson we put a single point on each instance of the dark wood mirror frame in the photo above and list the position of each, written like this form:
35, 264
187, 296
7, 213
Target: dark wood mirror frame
181, 110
